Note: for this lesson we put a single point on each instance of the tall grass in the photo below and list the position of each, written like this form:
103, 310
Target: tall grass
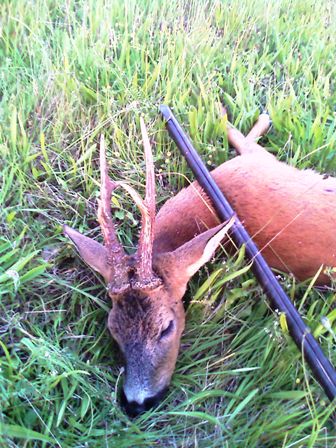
73, 69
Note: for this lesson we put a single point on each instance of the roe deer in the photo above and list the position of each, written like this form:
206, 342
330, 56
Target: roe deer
290, 213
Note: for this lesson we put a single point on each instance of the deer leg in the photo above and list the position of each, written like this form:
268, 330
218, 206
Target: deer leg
247, 145
260, 127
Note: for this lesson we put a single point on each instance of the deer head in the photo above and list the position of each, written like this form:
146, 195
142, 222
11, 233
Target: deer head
146, 288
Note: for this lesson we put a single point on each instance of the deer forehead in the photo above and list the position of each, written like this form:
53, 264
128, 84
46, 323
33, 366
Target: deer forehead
135, 314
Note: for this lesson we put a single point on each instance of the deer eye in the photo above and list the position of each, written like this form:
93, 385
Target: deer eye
168, 330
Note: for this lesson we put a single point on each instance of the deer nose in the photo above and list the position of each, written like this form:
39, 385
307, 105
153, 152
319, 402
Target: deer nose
134, 408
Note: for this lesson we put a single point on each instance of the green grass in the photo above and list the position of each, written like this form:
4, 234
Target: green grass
71, 70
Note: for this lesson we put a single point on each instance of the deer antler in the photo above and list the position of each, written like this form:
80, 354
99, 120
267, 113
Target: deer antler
146, 277
121, 271
116, 256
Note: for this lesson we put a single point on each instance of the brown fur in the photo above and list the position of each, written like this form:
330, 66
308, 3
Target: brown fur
290, 214
139, 321
136, 323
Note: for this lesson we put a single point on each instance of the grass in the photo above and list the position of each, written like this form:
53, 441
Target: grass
71, 70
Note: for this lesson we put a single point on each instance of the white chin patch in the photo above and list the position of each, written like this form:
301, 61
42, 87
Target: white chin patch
137, 395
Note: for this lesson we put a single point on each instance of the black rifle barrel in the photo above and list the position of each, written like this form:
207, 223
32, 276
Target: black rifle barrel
322, 368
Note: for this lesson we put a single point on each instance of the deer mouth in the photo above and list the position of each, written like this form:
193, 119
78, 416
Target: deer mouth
133, 408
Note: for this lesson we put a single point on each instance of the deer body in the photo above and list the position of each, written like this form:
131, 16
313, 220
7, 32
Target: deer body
291, 215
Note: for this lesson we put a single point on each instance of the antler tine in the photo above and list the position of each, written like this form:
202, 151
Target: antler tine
146, 276
117, 257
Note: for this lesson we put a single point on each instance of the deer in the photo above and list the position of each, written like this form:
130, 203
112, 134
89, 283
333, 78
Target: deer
290, 214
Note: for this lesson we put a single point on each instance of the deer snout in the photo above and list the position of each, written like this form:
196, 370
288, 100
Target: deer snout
141, 403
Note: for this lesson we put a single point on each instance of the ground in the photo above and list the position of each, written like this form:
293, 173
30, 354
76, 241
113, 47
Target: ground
74, 69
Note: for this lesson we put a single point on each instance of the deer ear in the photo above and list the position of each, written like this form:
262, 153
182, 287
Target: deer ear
185, 261
93, 253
